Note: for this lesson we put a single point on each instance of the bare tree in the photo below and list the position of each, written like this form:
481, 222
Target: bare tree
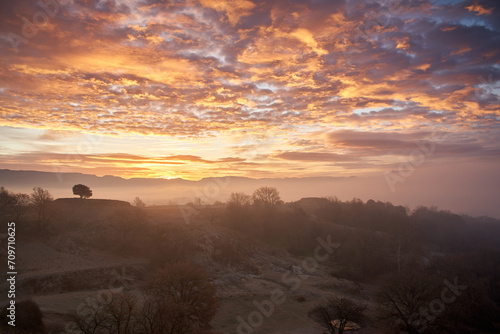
266, 197
402, 297
153, 316
238, 210
116, 315
13, 204
6, 198
41, 198
121, 318
151, 319
90, 319
337, 313
181, 300
239, 200
139, 203
20, 205
139, 209
347, 311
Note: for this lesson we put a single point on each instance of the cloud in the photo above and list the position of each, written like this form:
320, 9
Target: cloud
312, 156
57, 135
437, 144
480, 10
128, 165
383, 141
202, 70
233, 9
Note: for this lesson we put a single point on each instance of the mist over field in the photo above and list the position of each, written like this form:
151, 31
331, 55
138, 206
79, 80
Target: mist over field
462, 188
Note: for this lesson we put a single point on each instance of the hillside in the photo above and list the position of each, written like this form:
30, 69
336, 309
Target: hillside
62, 270
304, 252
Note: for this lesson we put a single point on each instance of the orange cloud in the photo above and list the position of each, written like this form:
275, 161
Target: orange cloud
479, 10
233, 9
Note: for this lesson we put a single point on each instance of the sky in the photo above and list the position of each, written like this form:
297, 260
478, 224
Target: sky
261, 89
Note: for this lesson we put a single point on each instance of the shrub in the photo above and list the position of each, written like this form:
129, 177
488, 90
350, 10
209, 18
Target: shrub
28, 319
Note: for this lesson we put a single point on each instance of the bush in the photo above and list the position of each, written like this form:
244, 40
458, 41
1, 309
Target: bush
28, 319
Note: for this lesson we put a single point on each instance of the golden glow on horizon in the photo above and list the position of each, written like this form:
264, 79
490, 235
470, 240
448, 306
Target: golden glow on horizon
210, 88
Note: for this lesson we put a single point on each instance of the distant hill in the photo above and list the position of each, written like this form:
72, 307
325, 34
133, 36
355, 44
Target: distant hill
312, 204
18, 178
158, 190
81, 210
89, 203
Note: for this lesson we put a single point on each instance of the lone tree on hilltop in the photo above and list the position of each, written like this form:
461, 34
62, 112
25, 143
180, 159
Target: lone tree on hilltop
82, 190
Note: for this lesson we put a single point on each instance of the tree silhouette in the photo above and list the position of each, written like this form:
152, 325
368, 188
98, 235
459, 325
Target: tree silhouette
239, 200
41, 198
404, 298
337, 313
266, 197
116, 314
20, 205
6, 198
82, 190
139, 203
180, 300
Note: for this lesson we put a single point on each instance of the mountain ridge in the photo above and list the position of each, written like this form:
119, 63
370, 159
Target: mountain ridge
5, 170
416, 190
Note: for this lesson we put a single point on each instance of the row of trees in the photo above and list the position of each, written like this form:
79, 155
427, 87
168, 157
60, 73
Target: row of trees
263, 197
376, 236
266, 217
15, 205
